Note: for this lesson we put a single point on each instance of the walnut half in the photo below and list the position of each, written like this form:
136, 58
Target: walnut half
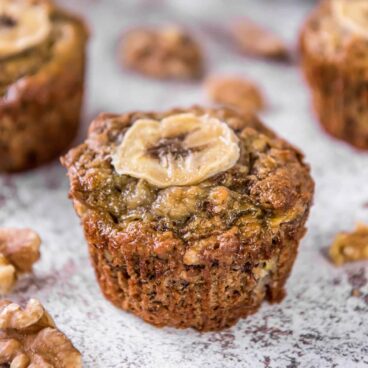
255, 40
29, 338
165, 53
237, 93
19, 250
350, 247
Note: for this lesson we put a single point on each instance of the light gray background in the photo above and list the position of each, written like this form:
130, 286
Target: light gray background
319, 324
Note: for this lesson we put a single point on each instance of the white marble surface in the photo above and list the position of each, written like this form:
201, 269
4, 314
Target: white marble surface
319, 324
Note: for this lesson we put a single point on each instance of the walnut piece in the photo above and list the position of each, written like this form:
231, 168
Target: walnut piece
29, 338
19, 250
350, 247
168, 52
237, 93
254, 40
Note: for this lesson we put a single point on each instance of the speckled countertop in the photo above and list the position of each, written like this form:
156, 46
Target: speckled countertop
319, 324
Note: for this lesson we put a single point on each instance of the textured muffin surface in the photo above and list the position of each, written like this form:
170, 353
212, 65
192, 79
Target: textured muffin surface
197, 255
41, 90
334, 51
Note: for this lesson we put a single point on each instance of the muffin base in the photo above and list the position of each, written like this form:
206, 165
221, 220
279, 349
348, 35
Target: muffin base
165, 292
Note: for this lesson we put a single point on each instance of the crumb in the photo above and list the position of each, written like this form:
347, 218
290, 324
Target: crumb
356, 293
237, 93
167, 52
257, 41
350, 247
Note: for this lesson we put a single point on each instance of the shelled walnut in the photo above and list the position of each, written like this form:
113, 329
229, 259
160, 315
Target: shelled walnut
165, 52
350, 247
19, 250
257, 41
235, 92
29, 338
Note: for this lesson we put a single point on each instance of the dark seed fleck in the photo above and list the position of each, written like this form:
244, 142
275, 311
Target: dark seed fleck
6, 21
173, 146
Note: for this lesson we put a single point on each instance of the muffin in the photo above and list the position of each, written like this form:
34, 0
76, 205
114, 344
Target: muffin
254, 40
334, 48
163, 53
192, 217
42, 57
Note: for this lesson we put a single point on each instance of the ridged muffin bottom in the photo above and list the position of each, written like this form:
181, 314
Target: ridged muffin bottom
164, 292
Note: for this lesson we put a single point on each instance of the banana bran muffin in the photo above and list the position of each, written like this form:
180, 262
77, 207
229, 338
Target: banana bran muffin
42, 57
193, 217
334, 48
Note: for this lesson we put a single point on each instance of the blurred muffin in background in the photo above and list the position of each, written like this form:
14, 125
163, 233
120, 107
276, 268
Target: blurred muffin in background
164, 53
334, 48
42, 58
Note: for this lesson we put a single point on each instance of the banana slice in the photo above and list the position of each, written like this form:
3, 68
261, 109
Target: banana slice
182, 149
352, 14
23, 24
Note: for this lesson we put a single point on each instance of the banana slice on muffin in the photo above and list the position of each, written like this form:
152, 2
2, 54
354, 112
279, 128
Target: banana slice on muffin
182, 149
353, 15
23, 24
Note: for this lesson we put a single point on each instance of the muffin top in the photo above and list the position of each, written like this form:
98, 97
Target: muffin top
33, 33
338, 27
193, 173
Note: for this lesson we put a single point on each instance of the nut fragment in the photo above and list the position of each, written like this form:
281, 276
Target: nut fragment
7, 275
29, 338
237, 93
19, 250
350, 247
257, 41
163, 53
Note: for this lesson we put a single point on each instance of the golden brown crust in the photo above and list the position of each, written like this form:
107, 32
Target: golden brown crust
334, 63
40, 112
229, 244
